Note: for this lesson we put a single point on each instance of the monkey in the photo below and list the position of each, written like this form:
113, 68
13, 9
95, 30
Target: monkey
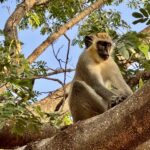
98, 83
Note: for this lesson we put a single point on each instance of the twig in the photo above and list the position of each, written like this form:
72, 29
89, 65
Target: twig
134, 80
60, 71
56, 55
67, 57
61, 103
53, 79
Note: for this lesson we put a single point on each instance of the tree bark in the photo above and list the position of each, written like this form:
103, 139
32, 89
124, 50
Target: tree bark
41, 48
10, 140
123, 127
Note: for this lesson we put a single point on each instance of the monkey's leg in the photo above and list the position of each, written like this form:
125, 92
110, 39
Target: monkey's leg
84, 102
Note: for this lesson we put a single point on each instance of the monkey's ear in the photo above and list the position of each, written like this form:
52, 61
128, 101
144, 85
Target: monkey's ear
88, 41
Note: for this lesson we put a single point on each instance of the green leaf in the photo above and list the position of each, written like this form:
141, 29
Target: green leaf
140, 20
141, 83
144, 48
67, 119
144, 12
124, 52
148, 8
137, 15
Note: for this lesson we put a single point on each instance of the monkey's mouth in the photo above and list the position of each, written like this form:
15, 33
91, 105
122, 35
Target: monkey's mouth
104, 56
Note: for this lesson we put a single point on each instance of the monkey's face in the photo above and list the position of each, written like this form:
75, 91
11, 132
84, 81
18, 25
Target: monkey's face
100, 45
103, 49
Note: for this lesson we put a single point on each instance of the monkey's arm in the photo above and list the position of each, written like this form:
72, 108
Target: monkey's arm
118, 82
93, 79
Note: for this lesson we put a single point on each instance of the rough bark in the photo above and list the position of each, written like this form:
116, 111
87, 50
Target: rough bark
9, 140
49, 103
41, 48
123, 127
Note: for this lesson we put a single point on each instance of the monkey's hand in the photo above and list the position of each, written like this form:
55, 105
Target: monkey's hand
116, 100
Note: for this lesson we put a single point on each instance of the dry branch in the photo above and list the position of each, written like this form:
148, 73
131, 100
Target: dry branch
134, 80
123, 127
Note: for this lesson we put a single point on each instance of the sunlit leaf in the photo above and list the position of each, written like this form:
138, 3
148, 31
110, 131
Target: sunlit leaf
141, 83
144, 48
124, 52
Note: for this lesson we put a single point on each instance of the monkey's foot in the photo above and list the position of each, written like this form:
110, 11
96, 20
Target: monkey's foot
115, 101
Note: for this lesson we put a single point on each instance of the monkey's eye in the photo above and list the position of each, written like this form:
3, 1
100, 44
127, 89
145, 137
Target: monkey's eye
104, 43
109, 44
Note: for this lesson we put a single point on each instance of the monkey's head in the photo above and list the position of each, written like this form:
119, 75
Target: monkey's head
100, 45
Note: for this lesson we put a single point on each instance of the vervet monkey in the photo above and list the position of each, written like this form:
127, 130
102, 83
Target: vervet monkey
98, 82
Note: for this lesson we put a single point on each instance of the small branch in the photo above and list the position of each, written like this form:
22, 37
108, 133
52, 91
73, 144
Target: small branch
52, 79
67, 57
61, 103
60, 71
56, 55
134, 80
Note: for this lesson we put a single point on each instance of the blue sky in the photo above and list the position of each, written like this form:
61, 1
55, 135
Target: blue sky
32, 38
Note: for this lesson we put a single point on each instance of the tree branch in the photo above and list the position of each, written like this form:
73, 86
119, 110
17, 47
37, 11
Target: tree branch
134, 80
9, 140
123, 127
10, 29
41, 48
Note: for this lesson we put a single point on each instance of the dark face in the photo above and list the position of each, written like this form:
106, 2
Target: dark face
103, 49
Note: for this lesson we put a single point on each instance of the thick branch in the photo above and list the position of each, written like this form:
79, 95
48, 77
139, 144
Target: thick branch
40, 49
9, 140
123, 127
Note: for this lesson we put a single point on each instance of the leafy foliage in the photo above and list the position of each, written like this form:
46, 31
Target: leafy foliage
101, 21
16, 76
49, 17
58, 120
